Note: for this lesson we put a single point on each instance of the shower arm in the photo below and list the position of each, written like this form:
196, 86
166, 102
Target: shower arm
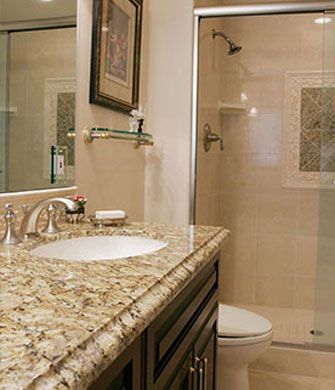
222, 35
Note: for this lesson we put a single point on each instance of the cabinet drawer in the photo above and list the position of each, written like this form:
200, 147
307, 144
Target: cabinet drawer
170, 333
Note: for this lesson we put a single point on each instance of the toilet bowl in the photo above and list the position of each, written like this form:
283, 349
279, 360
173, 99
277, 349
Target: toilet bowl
242, 337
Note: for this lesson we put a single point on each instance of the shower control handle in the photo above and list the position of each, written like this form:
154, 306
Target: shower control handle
210, 137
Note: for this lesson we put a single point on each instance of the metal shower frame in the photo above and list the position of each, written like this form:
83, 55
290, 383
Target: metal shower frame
229, 11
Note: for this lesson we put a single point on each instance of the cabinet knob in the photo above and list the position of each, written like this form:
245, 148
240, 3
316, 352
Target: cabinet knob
205, 362
202, 367
191, 372
201, 379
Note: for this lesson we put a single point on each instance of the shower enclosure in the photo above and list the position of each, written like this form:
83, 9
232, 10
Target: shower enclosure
264, 92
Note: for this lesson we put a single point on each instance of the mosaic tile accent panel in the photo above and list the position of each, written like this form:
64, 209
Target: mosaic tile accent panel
65, 121
317, 123
309, 130
59, 114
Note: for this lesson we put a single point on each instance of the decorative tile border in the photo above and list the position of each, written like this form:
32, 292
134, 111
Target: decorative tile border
308, 119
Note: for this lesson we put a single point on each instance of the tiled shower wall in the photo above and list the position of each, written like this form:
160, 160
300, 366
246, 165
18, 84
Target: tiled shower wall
271, 257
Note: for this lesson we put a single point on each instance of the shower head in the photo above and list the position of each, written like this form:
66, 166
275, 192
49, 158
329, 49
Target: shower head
233, 49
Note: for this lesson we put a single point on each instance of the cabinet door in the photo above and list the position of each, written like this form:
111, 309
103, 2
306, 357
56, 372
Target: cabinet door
124, 373
205, 355
172, 335
184, 376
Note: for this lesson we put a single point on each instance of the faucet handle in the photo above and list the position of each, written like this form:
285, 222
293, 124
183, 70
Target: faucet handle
10, 216
25, 209
10, 237
9, 208
51, 226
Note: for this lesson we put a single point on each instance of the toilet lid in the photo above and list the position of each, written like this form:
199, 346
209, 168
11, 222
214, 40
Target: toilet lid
236, 322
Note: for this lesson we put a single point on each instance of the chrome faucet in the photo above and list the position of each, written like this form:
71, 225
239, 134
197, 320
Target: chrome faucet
29, 226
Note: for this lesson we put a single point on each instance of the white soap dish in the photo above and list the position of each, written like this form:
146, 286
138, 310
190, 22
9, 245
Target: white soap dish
102, 222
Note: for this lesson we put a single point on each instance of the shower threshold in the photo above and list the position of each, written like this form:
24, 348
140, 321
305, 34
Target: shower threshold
291, 327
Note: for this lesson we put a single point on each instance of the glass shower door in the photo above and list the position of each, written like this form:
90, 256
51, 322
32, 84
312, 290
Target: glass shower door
3, 108
324, 320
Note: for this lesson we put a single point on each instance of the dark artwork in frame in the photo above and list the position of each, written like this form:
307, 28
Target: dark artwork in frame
116, 53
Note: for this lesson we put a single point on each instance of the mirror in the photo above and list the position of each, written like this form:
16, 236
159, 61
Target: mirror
37, 93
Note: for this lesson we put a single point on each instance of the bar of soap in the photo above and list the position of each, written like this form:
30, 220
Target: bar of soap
110, 214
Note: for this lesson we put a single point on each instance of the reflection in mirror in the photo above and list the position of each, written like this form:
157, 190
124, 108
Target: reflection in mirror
37, 93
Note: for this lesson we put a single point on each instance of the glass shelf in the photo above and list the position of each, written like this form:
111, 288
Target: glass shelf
141, 139
125, 132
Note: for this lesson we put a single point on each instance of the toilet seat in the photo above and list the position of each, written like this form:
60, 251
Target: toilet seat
226, 341
238, 326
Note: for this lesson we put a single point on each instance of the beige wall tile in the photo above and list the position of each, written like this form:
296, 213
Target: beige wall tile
244, 289
278, 213
308, 214
267, 137
272, 95
239, 212
235, 131
244, 252
304, 292
274, 290
307, 256
237, 174
276, 255
226, 285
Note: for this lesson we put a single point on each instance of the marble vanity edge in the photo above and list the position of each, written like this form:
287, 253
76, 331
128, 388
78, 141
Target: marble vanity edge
83, 365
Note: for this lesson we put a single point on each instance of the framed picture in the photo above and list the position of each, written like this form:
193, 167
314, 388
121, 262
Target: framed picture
116, 52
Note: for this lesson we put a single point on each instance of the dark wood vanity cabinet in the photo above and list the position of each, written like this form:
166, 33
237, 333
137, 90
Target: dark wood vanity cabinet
177, 351
125, 373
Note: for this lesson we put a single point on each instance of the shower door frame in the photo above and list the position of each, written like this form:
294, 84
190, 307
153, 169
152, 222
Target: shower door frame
231, 11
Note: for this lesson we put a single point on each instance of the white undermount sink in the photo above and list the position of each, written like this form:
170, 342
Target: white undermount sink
99, 248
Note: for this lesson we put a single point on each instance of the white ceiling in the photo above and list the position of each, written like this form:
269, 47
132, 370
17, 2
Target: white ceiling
27, 10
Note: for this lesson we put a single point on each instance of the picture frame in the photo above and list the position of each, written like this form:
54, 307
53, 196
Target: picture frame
116, 53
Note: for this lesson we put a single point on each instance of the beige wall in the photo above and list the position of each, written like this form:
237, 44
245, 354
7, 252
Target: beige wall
271, 257
151, 184
168, 55
110, 173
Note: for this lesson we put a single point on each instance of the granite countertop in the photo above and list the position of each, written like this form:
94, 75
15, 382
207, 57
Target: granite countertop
63, 322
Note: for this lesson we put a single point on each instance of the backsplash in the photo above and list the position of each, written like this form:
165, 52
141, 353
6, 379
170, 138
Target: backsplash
29, 198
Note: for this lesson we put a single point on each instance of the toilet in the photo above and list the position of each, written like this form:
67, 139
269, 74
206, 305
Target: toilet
242, 337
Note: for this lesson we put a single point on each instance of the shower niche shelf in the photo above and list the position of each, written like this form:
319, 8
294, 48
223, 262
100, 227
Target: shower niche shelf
232, 109
140, 139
